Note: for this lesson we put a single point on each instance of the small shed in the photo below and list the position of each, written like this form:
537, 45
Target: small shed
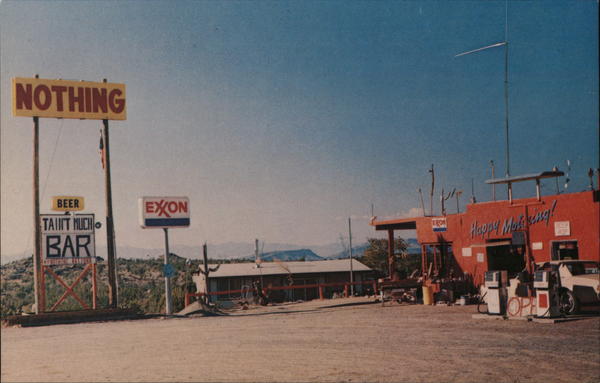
233, 277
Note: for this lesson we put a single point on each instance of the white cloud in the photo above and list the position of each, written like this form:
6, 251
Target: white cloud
410, 213
354, 218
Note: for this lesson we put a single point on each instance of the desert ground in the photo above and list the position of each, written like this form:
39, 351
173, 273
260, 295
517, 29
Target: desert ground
349, 339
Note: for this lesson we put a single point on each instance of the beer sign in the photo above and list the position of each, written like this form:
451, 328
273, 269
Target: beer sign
164, 212
62, 203
67, 239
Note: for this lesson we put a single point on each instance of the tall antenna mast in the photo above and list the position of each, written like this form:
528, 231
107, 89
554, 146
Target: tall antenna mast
494, 185
431, 193
505, 45
506, 87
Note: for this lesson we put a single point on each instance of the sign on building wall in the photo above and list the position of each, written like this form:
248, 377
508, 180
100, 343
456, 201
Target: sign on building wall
64, 203
67, 239
562, 228
439, 224
164, 212
537, 246
36, 97
480, 257
507, 225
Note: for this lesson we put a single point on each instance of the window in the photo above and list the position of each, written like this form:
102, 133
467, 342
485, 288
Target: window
222, 284
583, 268
564, 250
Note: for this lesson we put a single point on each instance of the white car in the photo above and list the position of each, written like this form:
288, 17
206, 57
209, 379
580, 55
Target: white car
578, 283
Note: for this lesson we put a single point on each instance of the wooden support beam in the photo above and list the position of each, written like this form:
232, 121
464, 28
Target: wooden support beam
69, 289
391, 259
94, 287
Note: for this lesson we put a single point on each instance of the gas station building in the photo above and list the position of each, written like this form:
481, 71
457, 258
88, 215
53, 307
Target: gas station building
508, 235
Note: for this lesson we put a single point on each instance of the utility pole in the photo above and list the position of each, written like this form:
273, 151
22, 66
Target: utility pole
110, 229
351, 268
37, 256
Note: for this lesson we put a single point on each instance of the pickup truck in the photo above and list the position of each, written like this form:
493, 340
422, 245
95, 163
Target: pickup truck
578, 283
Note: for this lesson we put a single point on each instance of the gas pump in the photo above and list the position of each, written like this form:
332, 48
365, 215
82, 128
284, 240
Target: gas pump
547, 299
496, 281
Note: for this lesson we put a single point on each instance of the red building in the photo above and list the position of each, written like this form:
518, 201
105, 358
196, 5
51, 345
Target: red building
505, 235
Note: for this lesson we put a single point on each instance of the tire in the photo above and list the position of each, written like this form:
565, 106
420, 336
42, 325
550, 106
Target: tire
568, 303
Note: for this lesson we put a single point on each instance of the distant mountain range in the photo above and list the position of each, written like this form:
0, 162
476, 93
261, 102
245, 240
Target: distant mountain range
357, 251
290, 255
231, 250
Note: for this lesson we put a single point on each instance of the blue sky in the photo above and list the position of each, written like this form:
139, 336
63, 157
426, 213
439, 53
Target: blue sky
281, 119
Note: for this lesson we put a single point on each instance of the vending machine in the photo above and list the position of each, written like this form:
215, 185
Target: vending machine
544, 283
496, 282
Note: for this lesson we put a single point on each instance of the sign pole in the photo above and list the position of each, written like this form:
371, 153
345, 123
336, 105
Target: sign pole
351, 269
37, 264
168, 307
101, 101
163, 213
110, 231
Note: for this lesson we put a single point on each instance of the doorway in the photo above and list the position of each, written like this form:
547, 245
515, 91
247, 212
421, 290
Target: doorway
505, 257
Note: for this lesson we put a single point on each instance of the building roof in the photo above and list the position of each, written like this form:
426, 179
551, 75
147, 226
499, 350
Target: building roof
526, 177
285, 268
396, 224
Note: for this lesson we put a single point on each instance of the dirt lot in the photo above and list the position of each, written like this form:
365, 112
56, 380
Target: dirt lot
332, 340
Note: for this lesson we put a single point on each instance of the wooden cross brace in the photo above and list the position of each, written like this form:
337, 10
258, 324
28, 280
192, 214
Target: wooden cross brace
69, 289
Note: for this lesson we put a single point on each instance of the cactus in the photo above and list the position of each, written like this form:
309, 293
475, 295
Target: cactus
205, 270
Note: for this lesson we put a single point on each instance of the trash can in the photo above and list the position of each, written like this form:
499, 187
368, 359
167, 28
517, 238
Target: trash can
427, 295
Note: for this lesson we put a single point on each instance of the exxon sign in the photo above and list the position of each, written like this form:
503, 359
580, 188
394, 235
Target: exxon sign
164, 212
